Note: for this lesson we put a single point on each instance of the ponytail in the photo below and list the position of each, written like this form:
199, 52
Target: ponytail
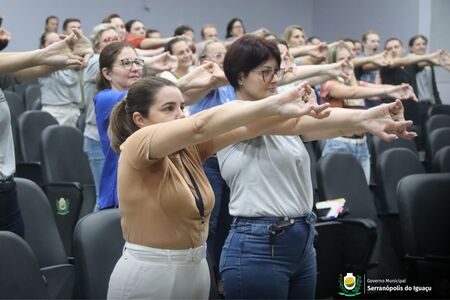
140, 98
121, 126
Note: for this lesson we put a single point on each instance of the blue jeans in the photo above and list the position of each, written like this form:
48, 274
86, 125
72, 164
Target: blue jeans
357, 147
222, 198
248, 269
93, 150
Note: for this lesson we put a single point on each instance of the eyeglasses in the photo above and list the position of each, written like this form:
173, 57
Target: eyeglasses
110, 39
127, 63
268, 74
217, 56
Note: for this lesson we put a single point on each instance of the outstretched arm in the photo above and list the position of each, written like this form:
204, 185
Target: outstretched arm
343, 91
73, 51
385, 121
207, 125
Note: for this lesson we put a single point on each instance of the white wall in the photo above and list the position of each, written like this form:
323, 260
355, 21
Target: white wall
25, 18
329, 19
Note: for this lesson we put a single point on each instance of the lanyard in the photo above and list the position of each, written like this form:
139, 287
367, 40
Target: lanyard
198, 200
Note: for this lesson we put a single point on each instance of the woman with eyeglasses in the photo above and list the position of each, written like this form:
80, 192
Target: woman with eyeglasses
102, 35
165, 197
269, 251
119, 68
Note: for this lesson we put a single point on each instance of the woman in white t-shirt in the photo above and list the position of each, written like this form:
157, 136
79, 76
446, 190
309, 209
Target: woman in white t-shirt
269, 251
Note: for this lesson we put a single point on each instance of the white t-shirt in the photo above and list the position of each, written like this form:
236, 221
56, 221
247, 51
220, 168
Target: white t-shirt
268, 176
7, 157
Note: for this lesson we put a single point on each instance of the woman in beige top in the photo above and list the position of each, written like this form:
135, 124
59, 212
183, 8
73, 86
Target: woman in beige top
164, 196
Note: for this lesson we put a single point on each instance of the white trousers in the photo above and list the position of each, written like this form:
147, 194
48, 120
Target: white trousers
150, 273
66, 114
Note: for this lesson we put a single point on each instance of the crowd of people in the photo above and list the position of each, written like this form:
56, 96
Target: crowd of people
175, 129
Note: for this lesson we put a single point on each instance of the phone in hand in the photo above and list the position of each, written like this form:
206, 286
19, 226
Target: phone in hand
1, 21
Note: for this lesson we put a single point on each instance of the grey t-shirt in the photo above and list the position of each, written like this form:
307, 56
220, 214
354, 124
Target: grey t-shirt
90, 89
60, 88
425, 85
7, 157
268, 176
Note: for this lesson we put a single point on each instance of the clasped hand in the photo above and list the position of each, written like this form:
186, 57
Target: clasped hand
387, 121
300, 101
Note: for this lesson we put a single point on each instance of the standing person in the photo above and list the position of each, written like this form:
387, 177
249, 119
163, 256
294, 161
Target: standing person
153, 33
102, 35
15, 68
209, 32
370, 73
179, 48
70, 24
269, 251
426, 79
165, 198
60, 90
349, 93
117, 21
120, 67
136, 36
404, 69
51, 24
235, 29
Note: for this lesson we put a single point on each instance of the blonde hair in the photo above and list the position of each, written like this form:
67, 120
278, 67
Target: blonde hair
98, 31
332, 58
288, 32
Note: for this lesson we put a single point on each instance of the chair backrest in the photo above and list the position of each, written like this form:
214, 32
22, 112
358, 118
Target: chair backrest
41, 232
441, 160
98, 245
439, 109
20, 277
424, 207
16, 108
15, 103
32, 93
30, 126
379, 146
63, 158
393, 165
436, 121
340, 175
438, 139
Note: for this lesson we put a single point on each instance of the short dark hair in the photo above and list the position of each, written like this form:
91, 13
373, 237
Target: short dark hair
150, 31
49, 18
129, 24
169, 45
311, 38
230, 26
247, 53
392, 39
180, 30
67, 21
108, 18
416, 37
